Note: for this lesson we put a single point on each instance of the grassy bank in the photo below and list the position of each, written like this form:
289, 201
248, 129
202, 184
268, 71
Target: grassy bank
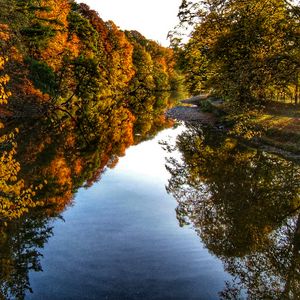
280, 124
277, 126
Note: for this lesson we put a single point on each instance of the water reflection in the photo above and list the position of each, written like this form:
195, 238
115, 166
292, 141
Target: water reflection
20, 246
244, 205
53, 157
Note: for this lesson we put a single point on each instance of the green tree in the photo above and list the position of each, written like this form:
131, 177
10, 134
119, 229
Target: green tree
240, 50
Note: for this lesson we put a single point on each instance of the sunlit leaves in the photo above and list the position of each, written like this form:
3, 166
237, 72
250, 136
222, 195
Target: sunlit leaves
245, 51
4, 94
15, 197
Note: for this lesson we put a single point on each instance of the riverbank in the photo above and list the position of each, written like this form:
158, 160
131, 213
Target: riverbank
278, 124
190, 114
189, 111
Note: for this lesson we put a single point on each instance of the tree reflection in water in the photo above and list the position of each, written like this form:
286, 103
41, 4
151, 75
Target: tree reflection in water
20, 246
60, 156
244, 205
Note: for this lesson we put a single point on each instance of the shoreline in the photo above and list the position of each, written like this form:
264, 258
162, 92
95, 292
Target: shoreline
192, 113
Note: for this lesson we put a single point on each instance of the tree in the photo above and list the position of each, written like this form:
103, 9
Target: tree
240, 50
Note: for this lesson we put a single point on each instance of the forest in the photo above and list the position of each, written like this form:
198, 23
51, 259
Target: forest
66, 72
62, 63
77, 91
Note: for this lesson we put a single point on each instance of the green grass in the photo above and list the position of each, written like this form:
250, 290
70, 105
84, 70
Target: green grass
281, 126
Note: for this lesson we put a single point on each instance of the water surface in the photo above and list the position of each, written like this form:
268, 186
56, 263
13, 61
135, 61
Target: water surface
187, 213
121, 240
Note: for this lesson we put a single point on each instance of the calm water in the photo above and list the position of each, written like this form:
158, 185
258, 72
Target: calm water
121, 239
188, 214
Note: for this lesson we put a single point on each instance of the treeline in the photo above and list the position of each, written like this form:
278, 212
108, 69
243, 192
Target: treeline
243, 51
80, 91
63, 56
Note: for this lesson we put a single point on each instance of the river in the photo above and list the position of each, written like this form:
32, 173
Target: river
121, 239
186, 214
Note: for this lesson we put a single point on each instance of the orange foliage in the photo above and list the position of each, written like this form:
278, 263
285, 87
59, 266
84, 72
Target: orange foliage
95, 20
57, 45
73, 45
123, 129
30, 91
4, 32
61, 171
34, 148
59, 204
70, 140
120, 50
15, 55
78, 166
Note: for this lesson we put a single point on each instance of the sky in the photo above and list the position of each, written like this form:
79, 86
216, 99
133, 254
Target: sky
152, 18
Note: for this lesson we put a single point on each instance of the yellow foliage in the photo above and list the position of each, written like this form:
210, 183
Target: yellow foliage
59, 204
3, 81
15, 198
4, 32
78, 166
57, 45
230, 143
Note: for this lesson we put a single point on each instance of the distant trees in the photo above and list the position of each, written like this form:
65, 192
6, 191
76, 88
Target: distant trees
245, 51
153, 64
85, 88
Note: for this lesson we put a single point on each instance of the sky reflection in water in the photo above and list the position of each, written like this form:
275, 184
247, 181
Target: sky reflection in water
121, 240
